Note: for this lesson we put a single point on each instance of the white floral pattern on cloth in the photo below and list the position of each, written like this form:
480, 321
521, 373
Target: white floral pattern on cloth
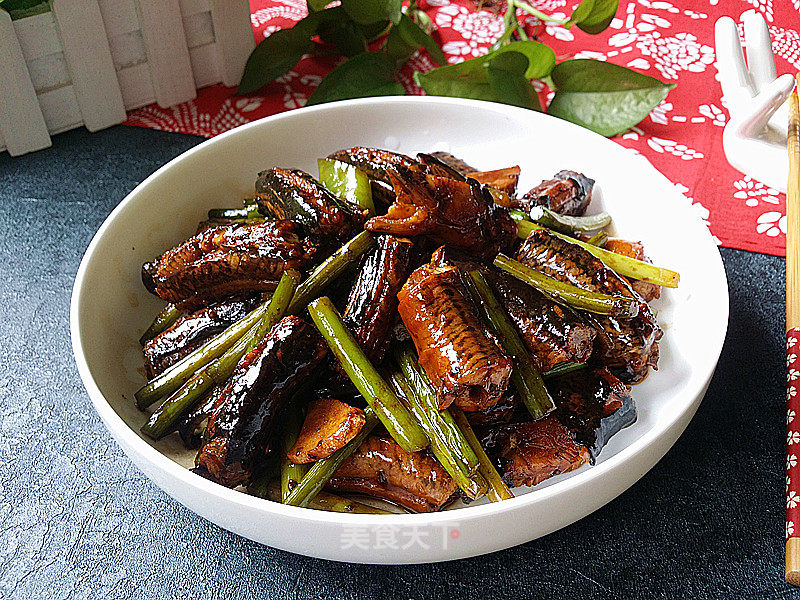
786, 44
479, 30
771, 223
764, 7
286, 11
792, 433
187, 118
668, 39
681, 52
753, 192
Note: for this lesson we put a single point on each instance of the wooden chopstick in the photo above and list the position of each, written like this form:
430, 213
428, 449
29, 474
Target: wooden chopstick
793, 346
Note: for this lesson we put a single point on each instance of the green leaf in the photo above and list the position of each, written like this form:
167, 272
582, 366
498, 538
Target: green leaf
593, 16
407, 37
20, 9
317, 5
276, 54
598, 18
541, 59
506, 76
470, 78
603, 97
348, 36
372, 11
583, 10
373, 31
368, 74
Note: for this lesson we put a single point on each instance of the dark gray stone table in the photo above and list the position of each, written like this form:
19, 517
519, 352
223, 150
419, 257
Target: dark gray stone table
77, 519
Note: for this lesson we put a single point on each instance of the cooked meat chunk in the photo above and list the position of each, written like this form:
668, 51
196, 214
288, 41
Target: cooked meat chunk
372, 304
554, 334
296, 195
502, 412
502, 179
374, 162
626, 346
461, 358
227, 260
568, 193
190, 331
648, 291
593, 404
532, 452
431, 165
243, 416
381, 468
453, 162
328, 426
460, 214
216, 222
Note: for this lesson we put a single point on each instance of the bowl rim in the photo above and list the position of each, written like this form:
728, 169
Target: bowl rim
132, 442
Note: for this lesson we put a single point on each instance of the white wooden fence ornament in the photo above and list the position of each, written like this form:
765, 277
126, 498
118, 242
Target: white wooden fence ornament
85, 62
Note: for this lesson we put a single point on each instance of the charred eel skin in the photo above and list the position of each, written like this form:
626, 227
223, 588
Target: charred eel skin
228, 260
295, 195
554, 334
190, 331
567, 193
241, 424
626, 346
372, 303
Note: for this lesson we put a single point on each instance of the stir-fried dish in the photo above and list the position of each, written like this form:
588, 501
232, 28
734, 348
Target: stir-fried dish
412, 330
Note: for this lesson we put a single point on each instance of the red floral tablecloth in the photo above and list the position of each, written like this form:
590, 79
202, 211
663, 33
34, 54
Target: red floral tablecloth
673, 41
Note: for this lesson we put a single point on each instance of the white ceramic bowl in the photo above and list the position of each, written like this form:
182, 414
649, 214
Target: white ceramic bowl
110, 309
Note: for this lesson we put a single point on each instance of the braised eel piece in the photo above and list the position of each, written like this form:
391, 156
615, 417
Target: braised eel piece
216, 222
593, 404
372, 303
554, 334
375, 163
529, 453
228, 260
502, 179
567, 193
329, 425
628, 347
241, 424
432, 165
460, 214
461, 358
454, 162
648, 291
381, 468
295, 195
502, 412
191, 330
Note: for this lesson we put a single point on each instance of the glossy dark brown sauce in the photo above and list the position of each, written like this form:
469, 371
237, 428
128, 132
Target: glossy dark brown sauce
567, 193
245, 408
627, 346
463, 361
413, 480
228, 260
371, 309
192, 330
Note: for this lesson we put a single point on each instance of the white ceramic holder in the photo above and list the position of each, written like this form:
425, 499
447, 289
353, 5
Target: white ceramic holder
85, 62
755, 137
